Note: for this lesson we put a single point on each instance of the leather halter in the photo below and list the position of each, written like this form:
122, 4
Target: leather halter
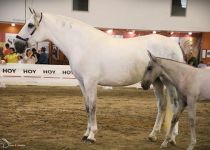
26, 39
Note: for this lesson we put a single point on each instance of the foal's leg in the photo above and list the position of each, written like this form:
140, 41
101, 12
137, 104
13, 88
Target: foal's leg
161, 105
181, 106
191, 102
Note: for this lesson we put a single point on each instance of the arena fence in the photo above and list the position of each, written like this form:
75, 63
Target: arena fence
34, 74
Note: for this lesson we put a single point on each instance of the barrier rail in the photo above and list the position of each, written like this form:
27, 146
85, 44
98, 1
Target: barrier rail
34, 74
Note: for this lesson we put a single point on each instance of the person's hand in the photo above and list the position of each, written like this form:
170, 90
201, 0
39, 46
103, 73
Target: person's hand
3, 62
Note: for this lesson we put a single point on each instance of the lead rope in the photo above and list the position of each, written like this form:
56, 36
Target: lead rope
6, 144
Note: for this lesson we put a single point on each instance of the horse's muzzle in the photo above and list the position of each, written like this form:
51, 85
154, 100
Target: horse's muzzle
20, 46
145, 85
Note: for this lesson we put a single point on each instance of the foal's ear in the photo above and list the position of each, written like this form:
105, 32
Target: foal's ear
152, 57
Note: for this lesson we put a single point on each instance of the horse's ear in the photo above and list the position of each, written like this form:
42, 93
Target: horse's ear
30, 10
152, 57
34, 12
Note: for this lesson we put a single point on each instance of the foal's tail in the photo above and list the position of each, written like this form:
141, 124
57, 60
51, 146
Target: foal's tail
169, 113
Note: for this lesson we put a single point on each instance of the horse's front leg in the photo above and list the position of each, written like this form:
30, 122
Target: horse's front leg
161, 105
82, 87
90, 104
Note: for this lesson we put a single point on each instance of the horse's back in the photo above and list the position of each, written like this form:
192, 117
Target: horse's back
123, 62
162, 46
159, 45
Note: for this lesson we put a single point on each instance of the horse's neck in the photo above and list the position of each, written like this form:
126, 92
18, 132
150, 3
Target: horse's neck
69, 34
175, 72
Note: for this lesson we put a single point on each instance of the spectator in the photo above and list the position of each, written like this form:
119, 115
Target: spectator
2, 61
1, 53
192, 60
29, 58
202, 65
55, 54
21, 61
7, 50
43, 59
11, 57
35, 54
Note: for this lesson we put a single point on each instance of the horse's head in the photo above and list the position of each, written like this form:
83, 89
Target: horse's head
152, 72
31, 31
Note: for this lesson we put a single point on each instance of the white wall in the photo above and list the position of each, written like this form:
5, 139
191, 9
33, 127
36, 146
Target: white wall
146, 14
61, 7
12, 10
131, 14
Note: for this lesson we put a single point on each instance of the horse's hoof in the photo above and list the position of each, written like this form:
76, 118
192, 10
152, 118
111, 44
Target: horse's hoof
172, 142
189, 148
164, 145
89, 141
152, 138
84, 138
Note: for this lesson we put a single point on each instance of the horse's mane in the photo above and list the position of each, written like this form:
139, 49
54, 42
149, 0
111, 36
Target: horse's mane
66, 18
66, 21
173, 61
72, 20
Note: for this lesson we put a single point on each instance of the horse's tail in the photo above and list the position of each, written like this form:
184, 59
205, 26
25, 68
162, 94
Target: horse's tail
184, 56
169, 113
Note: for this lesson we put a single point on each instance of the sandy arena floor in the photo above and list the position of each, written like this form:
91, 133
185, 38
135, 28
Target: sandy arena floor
54, 118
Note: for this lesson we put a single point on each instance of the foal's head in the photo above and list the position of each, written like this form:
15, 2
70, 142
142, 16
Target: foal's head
152, 72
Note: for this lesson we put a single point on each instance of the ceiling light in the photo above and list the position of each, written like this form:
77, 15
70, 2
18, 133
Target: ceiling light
13, 24
131, 32
110, 31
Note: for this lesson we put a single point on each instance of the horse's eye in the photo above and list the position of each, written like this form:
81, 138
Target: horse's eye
149, 68
30, 25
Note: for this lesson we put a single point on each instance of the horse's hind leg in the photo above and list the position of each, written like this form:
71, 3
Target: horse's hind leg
180, 108
174, 100
161, 105
90, 90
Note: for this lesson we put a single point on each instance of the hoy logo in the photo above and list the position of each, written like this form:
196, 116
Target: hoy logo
8, 70
29, 71
49, 71
66, 72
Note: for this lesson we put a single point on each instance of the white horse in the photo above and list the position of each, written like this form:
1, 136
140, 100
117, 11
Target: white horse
192, 84
99, 59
